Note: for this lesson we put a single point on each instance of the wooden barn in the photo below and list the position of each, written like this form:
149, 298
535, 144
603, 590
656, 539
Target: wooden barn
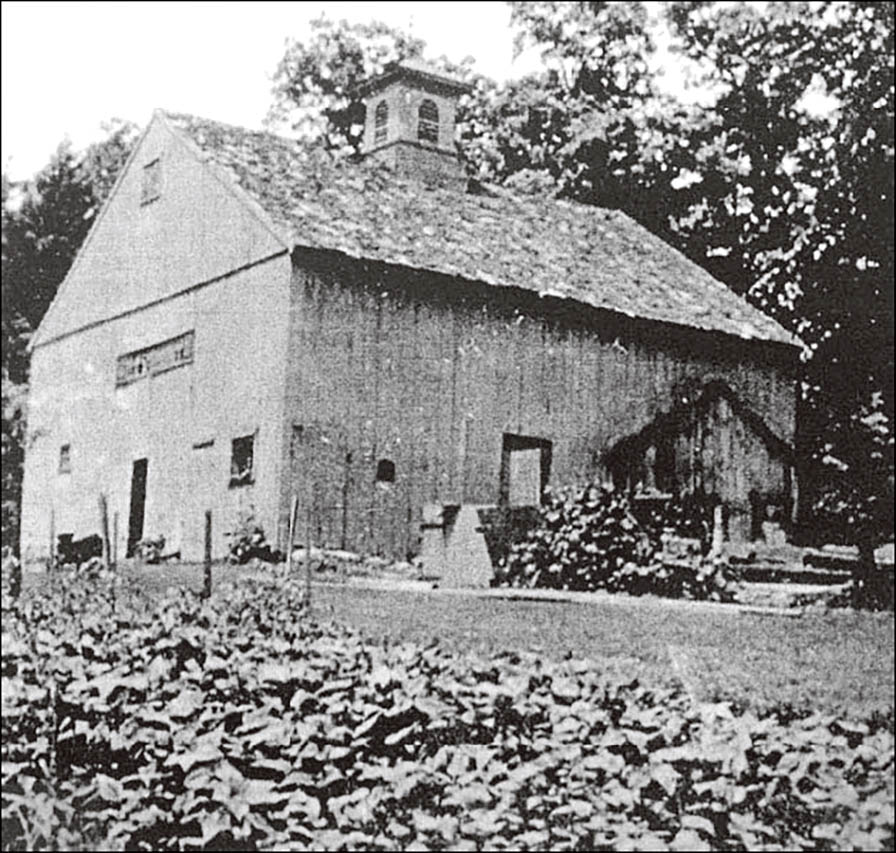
248, 321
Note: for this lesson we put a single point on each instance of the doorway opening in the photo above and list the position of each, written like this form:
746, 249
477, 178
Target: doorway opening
138, 504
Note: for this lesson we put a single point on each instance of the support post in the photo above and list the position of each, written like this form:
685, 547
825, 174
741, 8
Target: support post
207, 573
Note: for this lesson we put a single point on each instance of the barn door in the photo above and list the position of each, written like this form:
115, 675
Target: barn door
138, 504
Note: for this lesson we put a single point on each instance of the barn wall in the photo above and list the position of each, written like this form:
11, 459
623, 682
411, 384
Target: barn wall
430, 373
233, 387
198, 229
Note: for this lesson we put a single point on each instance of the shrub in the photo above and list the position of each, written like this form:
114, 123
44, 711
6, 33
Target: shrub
12, 573
589, 539
238, 723
247, 542
151, 548
582, 536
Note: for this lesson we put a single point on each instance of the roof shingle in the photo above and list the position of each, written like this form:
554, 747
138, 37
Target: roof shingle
593, 255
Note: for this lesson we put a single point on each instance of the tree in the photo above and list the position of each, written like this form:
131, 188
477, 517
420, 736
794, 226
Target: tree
314, 80
816, 231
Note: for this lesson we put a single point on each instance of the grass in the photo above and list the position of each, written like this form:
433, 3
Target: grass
835, 662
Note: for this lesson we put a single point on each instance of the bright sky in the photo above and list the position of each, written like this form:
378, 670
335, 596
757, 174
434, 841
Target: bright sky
68, 66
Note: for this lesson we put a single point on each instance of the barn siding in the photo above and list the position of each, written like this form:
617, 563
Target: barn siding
431, 373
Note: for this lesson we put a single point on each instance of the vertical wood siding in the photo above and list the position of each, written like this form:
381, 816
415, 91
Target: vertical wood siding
430, 373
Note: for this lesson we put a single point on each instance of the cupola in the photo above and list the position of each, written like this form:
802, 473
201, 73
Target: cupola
410, 117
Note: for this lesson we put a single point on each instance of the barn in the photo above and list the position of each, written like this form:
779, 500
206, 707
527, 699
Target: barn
249, 321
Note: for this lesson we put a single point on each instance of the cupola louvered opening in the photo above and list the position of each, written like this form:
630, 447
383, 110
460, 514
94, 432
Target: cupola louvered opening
428, 122
380, 122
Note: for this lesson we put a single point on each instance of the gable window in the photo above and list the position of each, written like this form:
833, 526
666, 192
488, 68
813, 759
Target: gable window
242, 459
65, 459
380, 122
151, 188
428, 122
151, 361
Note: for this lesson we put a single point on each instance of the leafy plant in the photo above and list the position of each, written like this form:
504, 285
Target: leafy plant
581, 537
238, 722
151, 548
247, 542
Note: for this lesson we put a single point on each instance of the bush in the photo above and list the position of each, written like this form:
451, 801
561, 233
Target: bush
589, 539
238, 723
581, 538
247, 542
151, 548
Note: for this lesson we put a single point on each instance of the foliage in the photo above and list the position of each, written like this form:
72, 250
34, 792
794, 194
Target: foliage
588, 538
239, 723
581, 538
151, 548
12, 573
315, 79
247, 542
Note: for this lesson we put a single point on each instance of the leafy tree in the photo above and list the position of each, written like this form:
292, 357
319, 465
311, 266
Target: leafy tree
315, 79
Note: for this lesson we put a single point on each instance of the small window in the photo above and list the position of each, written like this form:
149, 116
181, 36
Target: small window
381, 122
241, 460
385, 471
154, 360
65, 459
428, 122
152, 181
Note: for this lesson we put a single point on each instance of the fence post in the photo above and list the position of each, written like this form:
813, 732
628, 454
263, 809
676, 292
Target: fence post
51, 564
293, 510
104, 529
115, 538
308, 555
207, 565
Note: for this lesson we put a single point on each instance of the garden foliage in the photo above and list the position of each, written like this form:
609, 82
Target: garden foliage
238, 723
586, 538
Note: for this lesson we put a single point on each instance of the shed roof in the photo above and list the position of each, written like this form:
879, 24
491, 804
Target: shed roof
593, 255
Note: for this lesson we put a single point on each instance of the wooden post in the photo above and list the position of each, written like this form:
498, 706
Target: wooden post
718, 531
293, 510
308, 555
51, 563
115, 538
207, 585
104, 530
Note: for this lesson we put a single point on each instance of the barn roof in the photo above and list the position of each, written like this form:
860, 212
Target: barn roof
593, 255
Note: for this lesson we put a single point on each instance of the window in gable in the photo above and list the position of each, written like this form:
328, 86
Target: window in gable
380, 122
242, 460
152, 181
428, 122
65, 459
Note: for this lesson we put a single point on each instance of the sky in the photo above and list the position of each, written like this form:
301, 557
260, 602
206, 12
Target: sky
69, 66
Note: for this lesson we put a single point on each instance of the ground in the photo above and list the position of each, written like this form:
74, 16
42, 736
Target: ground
831, 662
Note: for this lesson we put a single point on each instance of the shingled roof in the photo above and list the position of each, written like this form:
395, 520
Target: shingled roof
593, 255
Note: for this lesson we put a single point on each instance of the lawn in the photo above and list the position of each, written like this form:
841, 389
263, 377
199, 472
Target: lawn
832, 662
